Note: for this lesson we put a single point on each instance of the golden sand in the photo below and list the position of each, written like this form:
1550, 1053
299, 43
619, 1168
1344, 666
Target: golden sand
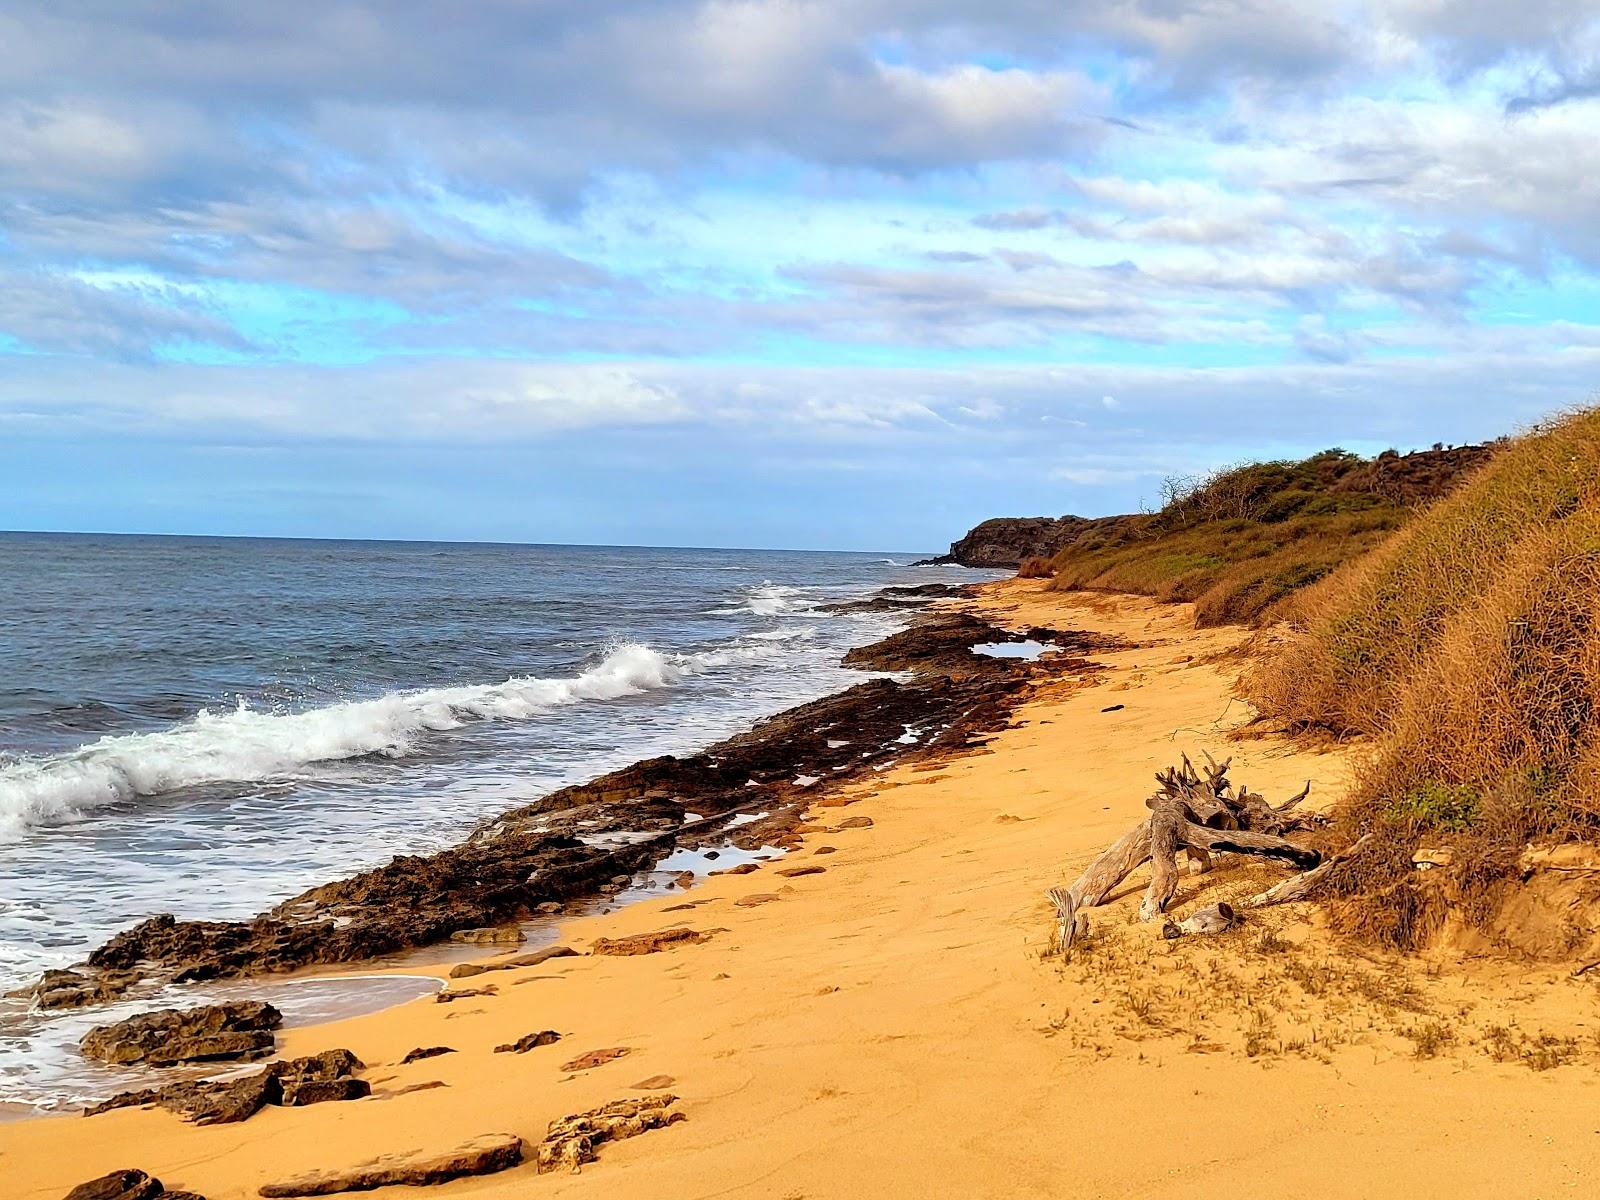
891, 1027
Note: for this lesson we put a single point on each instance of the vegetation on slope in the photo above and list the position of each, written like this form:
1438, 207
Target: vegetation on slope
1468, 648
1238, 542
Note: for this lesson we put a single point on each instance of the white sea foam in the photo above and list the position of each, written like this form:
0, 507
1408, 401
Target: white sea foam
247, 745
766, 599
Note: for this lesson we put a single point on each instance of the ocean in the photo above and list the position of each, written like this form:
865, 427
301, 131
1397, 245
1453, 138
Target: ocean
209, 725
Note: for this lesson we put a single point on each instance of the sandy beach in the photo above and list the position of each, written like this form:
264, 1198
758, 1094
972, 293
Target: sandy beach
875, 1014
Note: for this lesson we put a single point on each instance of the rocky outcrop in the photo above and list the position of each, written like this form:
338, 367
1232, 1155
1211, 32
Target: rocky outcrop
1003, 542
481, 1156
294, 1083
169, 1036
529, 1041
573, 1141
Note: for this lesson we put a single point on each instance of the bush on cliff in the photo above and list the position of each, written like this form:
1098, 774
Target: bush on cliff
1238, 542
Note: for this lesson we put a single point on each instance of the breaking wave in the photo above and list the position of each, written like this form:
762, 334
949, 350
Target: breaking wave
766, 599
247, 745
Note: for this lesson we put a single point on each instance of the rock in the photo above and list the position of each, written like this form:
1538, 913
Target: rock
462, 994
756, 898
572, 1141
549, 907
329, 1064
797, 872
684, 879
856, 823
299, 1093
1003, 542
654, 1083
648, 943
481, 1156
127, 1185
825, 850
595, 1058
741, 869
529, 1041
205, 1102
298, 1081
74, 989
119, 1185
169, 1036
468, 970
489, 936
422, 1052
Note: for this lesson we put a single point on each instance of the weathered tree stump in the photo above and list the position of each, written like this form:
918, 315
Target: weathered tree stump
1201, 815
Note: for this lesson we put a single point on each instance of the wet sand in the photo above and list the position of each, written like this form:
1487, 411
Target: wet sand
891, 1026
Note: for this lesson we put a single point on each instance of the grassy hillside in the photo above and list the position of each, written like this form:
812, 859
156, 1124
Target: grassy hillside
1239, 542
1468, 648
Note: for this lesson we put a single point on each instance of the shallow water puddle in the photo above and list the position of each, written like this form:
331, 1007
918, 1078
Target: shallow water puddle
1028, 650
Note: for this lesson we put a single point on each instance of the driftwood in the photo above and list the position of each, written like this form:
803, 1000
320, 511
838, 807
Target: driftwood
1300, 887
1202, 815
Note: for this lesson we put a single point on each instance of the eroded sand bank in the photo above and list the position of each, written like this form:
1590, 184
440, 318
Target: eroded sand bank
890, 1027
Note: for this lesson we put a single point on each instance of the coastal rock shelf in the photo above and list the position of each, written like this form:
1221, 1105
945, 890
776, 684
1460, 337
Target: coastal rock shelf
749, 791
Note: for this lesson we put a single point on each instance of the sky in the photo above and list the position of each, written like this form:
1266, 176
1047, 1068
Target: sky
845, 274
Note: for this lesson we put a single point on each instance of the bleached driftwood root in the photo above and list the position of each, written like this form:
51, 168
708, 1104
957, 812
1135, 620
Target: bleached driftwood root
1301, 886
1201, 815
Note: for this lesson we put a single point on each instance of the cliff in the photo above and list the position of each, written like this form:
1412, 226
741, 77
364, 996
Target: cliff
1003, 542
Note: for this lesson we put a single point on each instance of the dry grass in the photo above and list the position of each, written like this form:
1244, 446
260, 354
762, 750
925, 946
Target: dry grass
1240, 542
1468, 648
1035, 568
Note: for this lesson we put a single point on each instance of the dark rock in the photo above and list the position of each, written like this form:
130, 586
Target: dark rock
529, 1041
307, 1080
119, 1185
481, 1156
741, 869
756, 898
797, 872
169, 1036
422, 1052
204, 1102
329, 1064
301, 1092
74, 989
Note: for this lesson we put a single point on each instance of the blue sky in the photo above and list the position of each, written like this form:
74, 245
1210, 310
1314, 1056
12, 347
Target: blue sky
824, 273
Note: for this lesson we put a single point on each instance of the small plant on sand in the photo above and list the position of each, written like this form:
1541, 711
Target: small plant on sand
1429, 1038
1258, 1039
1270, 943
